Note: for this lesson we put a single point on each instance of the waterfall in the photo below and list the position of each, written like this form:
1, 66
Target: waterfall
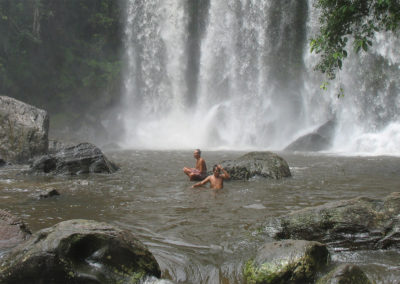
238, 74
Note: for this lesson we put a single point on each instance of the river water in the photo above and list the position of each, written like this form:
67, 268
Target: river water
201, 235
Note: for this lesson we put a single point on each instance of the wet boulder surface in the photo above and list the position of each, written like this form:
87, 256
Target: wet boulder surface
359, 223
79, 251
257, 164
83, 158
345, 273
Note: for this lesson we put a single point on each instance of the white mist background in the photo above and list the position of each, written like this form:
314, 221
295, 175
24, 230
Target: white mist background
239, 103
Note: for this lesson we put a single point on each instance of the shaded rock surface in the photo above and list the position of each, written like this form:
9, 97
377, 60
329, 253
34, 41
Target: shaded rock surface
79, 251
23, 130
13, 231
287, 262
345, 274
319, 140
263, 164
56, 146
80, 159
360, 223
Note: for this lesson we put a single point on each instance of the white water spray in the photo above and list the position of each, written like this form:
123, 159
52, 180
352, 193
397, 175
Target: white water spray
255, 87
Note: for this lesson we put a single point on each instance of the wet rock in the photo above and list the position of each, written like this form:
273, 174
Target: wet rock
262, 164
345, 274
287, 262
309, 143
319, 140
2, 162
13, 231
47, 194
79, 251
80, 159
23, 130
56, 146
360, 223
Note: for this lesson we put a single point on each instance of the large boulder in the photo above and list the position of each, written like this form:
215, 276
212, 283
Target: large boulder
80, 159
319, 140
360, 223
286, 262
345, 273
79, 251
13, 231
262, 164
23, 130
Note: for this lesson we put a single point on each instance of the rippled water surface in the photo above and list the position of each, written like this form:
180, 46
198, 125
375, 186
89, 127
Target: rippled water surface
201, 235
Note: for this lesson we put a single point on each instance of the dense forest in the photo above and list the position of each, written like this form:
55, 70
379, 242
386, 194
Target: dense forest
63, 56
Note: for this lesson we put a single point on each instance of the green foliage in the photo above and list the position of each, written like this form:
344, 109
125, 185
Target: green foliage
342, 20
61, 55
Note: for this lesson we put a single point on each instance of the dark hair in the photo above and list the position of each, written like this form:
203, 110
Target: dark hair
215, 167
198, 150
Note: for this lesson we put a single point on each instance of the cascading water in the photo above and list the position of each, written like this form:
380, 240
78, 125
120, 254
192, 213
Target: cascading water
238, 74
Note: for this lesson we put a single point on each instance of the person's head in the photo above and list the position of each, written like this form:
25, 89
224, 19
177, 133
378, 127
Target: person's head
197, 153
216, 170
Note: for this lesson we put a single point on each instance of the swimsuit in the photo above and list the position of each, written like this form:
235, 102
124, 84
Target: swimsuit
198, 174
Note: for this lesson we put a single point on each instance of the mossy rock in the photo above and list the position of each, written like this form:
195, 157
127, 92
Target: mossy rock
359, 223
286, 262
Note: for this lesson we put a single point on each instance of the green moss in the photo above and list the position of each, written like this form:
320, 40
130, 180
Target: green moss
265, 273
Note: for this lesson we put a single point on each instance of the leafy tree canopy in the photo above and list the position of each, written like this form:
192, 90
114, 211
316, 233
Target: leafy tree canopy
356, 19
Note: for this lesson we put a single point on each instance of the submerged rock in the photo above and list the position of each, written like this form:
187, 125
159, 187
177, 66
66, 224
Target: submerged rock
359, 223
80, 159
286, 262
345, 273
79, 251
319, 140
23, 130
13, 231
46, 194
263, 164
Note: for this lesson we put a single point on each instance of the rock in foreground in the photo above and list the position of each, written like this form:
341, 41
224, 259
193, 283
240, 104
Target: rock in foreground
360, 223
263, 164
79, 251
80, 159
23, 130
345, 273
286, 262
12, 230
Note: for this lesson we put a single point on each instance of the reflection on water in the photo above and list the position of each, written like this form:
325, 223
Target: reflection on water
201, 235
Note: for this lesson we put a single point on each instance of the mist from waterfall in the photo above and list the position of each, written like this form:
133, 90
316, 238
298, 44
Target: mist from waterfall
238, 74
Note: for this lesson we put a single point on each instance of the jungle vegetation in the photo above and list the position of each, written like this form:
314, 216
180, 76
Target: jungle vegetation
63, 56
345, 21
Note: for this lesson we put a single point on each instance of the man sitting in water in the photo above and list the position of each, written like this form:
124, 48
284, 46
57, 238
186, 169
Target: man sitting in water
200, 171
216, 180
